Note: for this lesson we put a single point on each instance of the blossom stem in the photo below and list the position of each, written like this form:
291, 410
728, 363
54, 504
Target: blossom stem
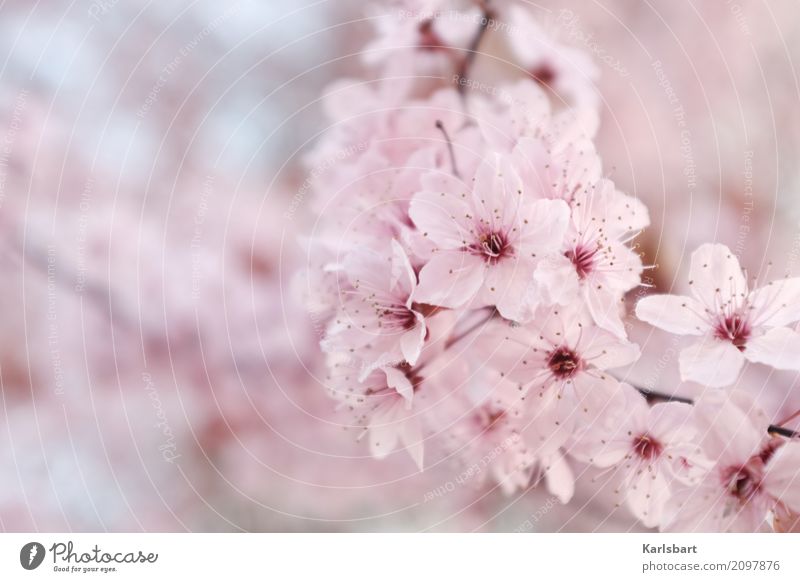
457, 338
772, 429
472, 49
790, 418
440, 127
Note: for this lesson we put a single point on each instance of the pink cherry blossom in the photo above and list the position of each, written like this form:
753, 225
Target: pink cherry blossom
424, 34
489, 237
650, 450
497, 436
732, 323
396, 404
596, 264
753, 473
561, 362
566, 71
378, 320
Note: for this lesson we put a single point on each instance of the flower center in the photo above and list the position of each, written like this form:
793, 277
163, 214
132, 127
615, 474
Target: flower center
564, 363
491, 419
544, 74
492, 246
583, 259
395, 318
735, 329
428, 39
647, 447
742, 482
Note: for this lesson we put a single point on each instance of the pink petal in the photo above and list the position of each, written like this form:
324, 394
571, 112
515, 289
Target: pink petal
497, 193
560, 479
412, 340
605, 307
777, 303
556, 281
647, 496
782, 478
404, 280
711, 362
626, 214
779, 348
397, 379
672, 422
716, 278
509, 286
440, 211
541, 226
727, 431
384, 431
450, 279
620, 269
614, 354
673, 313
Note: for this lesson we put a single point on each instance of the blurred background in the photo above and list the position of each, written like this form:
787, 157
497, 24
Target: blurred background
157, 367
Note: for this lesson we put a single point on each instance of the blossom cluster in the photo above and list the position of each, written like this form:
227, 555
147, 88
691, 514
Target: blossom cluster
472, 264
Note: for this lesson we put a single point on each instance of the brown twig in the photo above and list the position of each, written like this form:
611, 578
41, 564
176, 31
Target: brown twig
472, 50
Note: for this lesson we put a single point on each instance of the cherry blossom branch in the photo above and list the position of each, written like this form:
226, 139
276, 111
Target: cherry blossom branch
772, 429
472, 49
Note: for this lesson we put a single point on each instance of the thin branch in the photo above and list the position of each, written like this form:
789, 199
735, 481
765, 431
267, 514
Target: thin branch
440, 127
469, 330
472, 50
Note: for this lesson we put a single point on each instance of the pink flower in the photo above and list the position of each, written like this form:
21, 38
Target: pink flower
397, 403
420, 33
496, 436
489, 239
566, 71
378, 321
754, 474
561, 362
733, 323
596, 265
562, 166
650, 448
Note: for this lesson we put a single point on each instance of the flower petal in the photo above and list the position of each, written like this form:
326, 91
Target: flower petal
411, 341
711, 362
778, 347
440, 211
673, 313
605, 307
716, 278
509, 286
450, 279
782, 478
398, 380
556, 281
776, 303
403, 280
647, 495
560, 478
541, 225
615, 353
